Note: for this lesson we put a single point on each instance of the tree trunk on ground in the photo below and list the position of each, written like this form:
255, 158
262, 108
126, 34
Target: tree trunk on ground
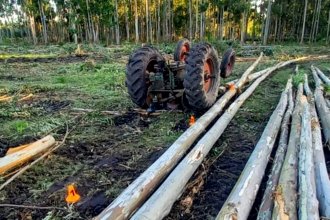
15, 159
321, 173
304, 23
269, 9
241, 198
138, 191
321, 106
286, 191
159, 204
136, 21
267, 204
324, 78
308, 205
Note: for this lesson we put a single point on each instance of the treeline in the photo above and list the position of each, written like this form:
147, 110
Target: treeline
115, 21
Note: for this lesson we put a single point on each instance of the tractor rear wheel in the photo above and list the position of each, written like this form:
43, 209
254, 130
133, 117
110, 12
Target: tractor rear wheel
182, 48
202, 79
227, 63
140, 64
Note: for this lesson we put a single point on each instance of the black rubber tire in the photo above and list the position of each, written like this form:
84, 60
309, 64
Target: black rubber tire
227, 63
193, 82
178, 50
136, 73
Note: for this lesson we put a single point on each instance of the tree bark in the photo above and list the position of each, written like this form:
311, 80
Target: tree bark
304, 23
33, 29
136, 21
308, 204
324, 78
328, 30
43, 21
321, 173
138, 191
117, 23
321, 106
241, 198
269, 9
15, 159
147, 18
267, 204
286, 191
159, 204
190, 19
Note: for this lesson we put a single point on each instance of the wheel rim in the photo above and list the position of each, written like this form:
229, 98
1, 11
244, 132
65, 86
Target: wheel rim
183, 52
208, 75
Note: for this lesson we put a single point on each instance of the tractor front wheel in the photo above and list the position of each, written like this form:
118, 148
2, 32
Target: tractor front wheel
227, 63
202, 79
140, 64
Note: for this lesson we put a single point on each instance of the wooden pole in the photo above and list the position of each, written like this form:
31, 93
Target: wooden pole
160, 203
321, 106
15, 159
267, 204
286, 190
325, 79
241, 198
308, 205
139, 190
321, 173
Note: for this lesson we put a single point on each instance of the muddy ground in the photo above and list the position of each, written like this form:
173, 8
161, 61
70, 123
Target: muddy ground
103, 154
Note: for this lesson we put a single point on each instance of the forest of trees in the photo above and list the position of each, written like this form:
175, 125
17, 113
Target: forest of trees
116, 21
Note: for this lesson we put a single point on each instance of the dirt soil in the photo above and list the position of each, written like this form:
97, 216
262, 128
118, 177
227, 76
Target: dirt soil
103, 154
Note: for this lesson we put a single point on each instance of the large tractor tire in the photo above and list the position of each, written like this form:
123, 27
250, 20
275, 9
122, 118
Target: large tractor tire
182, 48
140, 64
202, 79
227, 63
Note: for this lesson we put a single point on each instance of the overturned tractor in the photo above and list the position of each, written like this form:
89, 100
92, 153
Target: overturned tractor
192, 80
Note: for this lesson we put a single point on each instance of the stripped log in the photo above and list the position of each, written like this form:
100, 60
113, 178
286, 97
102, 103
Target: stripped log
308, 204
267, 204
321, 174
15, 159
160, 203
324, 78
139, 190
241, 198
322, 108
286, 190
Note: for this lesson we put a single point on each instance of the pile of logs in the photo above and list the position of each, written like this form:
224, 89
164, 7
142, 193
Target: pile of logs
154, 192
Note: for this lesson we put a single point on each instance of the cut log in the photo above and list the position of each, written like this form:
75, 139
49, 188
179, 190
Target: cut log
308, 204
321, 106
16, 159
321, 174
324, 78
241, 198
15, 149
286, 190
267, 204
160, 203
140, 189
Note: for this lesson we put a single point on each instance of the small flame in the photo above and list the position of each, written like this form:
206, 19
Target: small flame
191, 120
232, 86
72, 195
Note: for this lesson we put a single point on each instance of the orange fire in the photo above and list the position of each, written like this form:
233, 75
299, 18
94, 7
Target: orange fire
232, 87
191, 120
72, 195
